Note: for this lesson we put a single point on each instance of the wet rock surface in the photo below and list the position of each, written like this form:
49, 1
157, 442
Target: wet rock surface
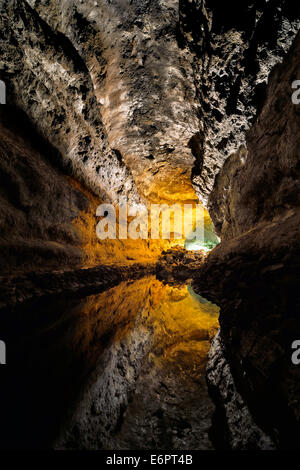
15, 290
147, 100
178, 265
47, 219
254, 273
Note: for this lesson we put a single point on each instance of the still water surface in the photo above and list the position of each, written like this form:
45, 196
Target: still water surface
124, 369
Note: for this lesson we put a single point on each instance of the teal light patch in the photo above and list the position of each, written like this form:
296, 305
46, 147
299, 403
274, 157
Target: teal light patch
208, 243
208, 306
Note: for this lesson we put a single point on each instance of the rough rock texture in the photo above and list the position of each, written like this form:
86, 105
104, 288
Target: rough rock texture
107, 85
141, 97
235, 46
47, 78
261, 183
47, 219
147, 99
253, 275
178, 265
37, 204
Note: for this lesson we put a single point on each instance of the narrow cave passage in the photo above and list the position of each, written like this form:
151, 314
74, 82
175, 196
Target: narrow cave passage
209, 239
110, 343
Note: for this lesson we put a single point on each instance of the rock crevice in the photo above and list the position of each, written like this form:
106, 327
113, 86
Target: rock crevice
253, 275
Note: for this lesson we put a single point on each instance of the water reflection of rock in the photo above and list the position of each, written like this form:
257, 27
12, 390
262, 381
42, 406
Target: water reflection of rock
148, 388
122, 369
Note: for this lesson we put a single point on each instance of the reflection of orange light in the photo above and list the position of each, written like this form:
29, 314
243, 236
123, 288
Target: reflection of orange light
178, 323
182, 324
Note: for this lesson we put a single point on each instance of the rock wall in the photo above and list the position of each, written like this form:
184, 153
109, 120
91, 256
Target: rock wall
47, 219
260, 183
148, 99
142, 98
37, 204
254, 273
234, 46
47, 77
107, 85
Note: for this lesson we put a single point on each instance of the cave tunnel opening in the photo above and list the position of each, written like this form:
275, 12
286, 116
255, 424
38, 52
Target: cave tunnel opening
207, 241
